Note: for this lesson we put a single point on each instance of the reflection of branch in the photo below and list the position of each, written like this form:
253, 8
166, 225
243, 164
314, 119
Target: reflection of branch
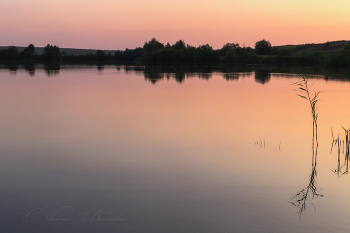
346, 146
301, 197
260, 144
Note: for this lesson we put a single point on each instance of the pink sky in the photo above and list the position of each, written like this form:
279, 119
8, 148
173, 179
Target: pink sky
120, 24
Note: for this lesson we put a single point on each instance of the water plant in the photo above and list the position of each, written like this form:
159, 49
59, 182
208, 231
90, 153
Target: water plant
304, 91
300, 198
338, 142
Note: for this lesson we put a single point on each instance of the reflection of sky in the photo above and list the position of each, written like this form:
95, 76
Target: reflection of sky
168, 156
111, 24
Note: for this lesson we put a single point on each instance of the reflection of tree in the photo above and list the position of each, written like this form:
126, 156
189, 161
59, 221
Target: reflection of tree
13, 67
180, 77
262, 76
205, 75
154, 77
30, 68
100, 67
300, 198
127, 69
231, 76
346, 151
52, 68
180, 72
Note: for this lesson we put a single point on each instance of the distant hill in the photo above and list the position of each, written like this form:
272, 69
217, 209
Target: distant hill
331, 47
68, 51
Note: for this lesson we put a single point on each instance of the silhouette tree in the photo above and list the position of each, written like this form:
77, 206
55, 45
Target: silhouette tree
179, 44
263, 47
10, 53
132, 54
230, 54
28, 52
205, 53
184, 55
118, 55
228, 46
164, 55
168, 46
153, 45
51, 52
100, 55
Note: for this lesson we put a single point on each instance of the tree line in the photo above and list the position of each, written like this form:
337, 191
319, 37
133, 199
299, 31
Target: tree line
154, 51
50, 52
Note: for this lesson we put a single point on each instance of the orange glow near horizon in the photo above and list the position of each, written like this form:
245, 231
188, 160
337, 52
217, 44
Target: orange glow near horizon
108, 24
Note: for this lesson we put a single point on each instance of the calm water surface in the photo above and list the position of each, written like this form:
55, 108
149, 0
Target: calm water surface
129, 150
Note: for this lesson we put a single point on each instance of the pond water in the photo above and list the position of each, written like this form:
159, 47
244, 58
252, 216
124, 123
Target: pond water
135, 149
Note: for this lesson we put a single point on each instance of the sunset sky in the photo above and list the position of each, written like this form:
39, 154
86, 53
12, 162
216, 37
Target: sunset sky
120, 24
